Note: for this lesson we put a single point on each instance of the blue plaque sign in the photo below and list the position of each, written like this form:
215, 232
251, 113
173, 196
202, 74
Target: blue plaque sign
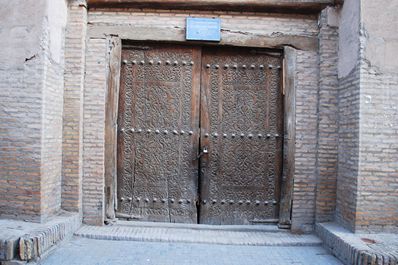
206, 29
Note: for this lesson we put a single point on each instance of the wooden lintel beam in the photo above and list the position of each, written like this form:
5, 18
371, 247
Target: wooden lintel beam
228, 37
299, 6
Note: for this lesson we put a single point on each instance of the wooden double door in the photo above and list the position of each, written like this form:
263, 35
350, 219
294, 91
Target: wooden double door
200, 134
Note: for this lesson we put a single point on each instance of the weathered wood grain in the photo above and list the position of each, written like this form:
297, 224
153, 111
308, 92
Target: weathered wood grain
300, 6
112, 98
289, 71
228, 37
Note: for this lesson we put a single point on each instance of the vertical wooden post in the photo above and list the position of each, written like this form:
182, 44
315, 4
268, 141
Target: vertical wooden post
289, 73
112, 99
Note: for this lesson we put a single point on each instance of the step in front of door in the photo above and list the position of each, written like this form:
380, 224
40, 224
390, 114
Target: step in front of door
204, 234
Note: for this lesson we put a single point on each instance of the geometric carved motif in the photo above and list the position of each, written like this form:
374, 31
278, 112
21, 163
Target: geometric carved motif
161, 135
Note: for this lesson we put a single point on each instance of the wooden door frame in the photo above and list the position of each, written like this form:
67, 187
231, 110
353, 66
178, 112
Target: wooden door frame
288, 84
114, 54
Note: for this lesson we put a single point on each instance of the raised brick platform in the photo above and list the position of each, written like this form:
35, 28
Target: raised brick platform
25, 241
359, 248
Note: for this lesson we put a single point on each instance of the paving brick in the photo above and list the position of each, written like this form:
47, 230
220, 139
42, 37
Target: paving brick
84, 251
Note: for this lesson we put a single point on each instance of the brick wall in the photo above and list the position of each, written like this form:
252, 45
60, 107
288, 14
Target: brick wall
30, 111
20, 141
94, 132
53, 89
368, 144
235, 21
348, 110
51, 151
327, 116
303, 213
21, 82
377, 201
349, 96
75, 49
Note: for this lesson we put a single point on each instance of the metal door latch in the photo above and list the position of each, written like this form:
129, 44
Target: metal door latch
204, 151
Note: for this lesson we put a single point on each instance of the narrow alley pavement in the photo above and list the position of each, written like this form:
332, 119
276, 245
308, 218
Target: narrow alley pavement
83, 251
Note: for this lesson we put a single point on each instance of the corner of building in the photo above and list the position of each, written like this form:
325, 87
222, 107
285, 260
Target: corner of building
31, 115
366, 218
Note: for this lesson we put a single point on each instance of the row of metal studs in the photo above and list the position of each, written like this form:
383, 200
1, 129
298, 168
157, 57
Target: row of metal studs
151, 62
138, 199
216, 66
215, 135
132, 130
243, 66
242, 135
181, 201
248, 202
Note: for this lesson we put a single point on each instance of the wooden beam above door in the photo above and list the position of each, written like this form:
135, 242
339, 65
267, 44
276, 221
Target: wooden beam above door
292, 6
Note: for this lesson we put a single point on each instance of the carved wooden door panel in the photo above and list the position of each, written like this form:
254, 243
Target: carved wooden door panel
158, 133
179, 105
241, 128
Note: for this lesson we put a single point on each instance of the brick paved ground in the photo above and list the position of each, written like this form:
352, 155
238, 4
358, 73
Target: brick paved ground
85, 251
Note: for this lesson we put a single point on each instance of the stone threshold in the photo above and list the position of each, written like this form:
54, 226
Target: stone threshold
256, 235
359, 248
260, 228
21, 241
